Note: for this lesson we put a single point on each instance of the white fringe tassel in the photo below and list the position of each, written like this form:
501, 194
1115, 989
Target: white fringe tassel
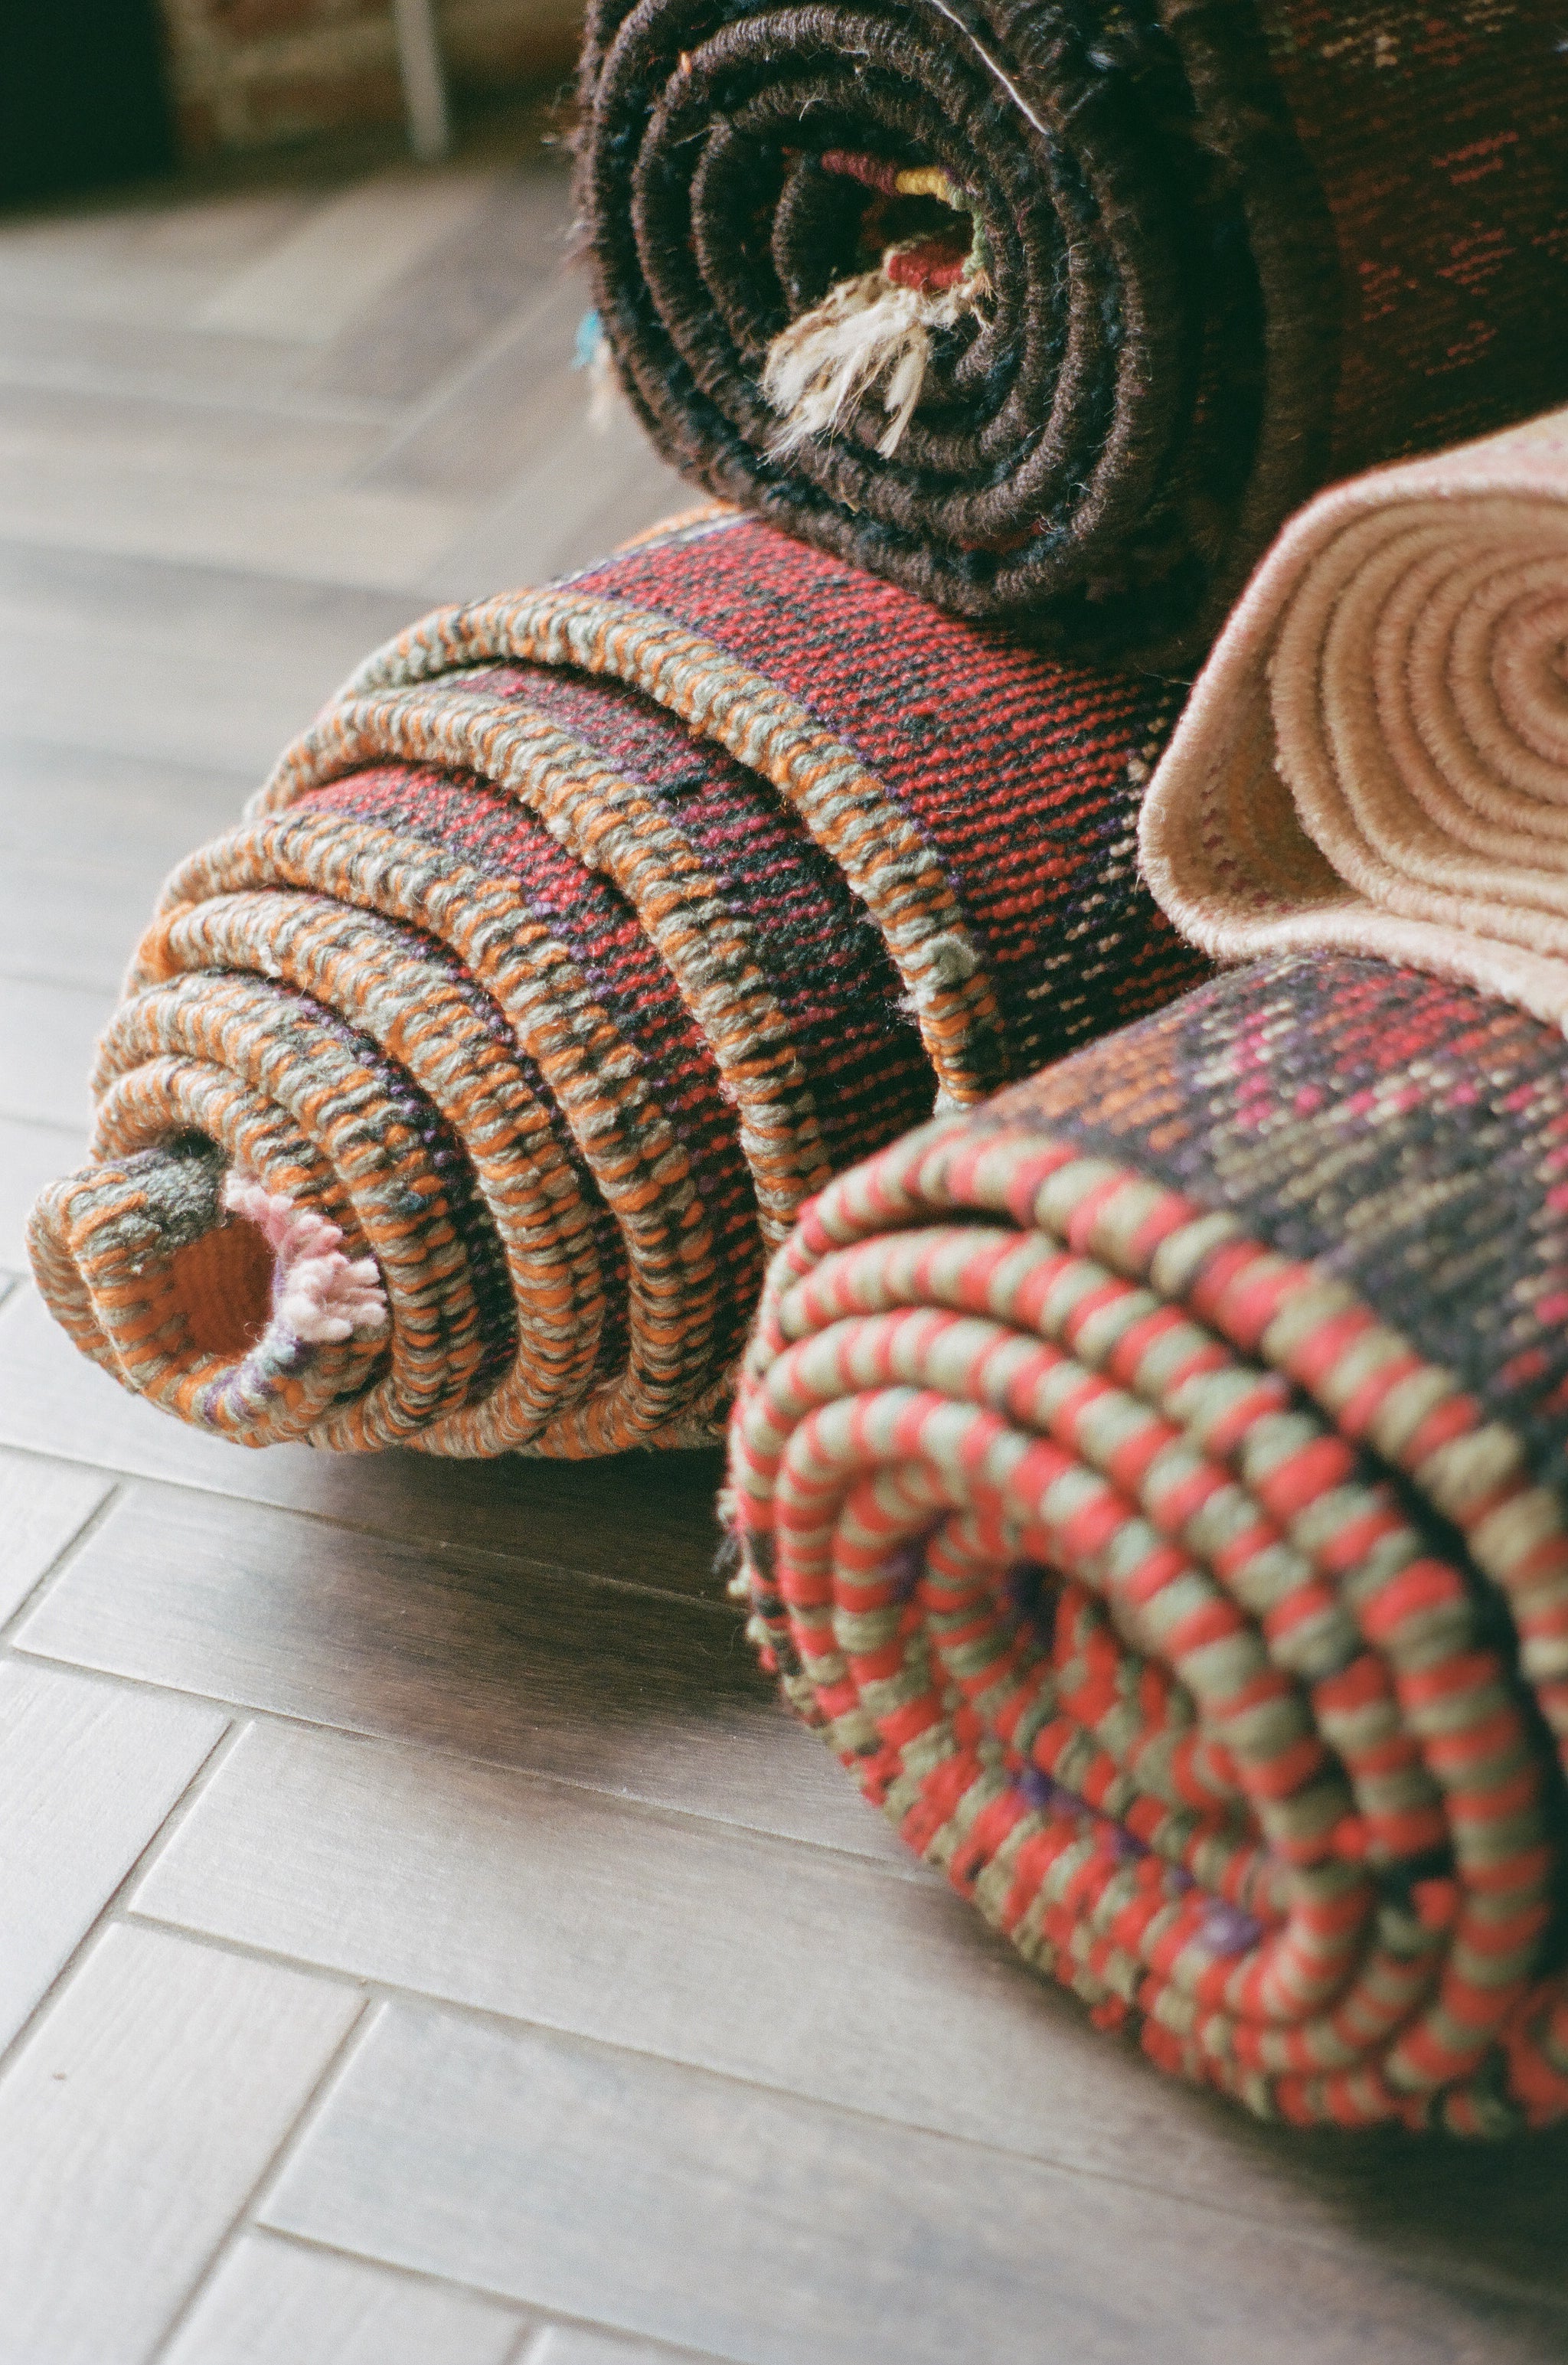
867, 334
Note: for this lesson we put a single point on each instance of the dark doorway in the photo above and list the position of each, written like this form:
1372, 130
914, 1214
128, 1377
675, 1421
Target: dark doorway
82, 95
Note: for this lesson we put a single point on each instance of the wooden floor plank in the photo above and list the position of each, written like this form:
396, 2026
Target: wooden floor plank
641, 1518
47, 1035
31, 1155
96, 267
220, 230
494, 267
493, 420
134, 2122
168, 361
207, 668
812, 1973
159, 441
674, 2203
336, 535
134, 817
88, 1772
583, 490
42, 1506
277, 2303
65, 923
344, 254
553, 1671
61, 253
573, 2344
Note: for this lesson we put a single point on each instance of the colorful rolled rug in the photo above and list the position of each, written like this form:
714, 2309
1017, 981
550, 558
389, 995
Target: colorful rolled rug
1155, 1485
1057, 312
459, 1092
1376, 755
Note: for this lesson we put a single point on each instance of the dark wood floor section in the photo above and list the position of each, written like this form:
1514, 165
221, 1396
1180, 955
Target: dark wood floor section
422, 1941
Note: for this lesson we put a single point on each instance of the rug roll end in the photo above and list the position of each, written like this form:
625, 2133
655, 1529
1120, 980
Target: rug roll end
227, 1305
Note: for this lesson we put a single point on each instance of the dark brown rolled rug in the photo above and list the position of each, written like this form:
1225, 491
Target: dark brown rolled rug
1057, 312
1154, 1485
460, 1092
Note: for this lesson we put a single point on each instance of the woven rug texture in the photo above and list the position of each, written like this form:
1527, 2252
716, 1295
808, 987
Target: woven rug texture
1376, 755
459, 1093
1057, 312
1152, 1486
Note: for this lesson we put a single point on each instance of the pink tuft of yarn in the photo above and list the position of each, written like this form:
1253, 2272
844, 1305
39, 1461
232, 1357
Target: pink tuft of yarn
319, 1294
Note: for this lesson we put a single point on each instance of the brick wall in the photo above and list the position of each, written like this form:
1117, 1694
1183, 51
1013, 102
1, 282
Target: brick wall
249, 72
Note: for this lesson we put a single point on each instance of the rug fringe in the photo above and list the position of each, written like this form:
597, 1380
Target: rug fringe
867, 334
319, 1294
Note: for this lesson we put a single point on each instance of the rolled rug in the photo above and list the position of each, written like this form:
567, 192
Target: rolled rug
1153, 1485
459, 1093
1376, 755
1055, 313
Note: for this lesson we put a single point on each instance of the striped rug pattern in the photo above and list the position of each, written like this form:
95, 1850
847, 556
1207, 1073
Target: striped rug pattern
584, 935
1152, 1486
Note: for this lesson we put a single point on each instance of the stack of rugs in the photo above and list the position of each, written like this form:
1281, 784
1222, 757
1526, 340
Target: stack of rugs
1150, 1472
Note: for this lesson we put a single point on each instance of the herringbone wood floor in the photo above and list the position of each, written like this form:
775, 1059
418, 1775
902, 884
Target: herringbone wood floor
421, 1940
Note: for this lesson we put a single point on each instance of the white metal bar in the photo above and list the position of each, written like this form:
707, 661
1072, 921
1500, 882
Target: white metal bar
424, 79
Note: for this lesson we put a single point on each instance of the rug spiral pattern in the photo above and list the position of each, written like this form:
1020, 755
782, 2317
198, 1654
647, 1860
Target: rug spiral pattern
459, 1095
1145, 274
1375, 756
1153, 1486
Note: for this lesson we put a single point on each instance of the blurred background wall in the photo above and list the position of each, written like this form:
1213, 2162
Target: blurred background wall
101, 91
251, 74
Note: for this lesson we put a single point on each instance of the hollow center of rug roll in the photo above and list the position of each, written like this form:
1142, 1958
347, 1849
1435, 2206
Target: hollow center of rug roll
221, 1282
875, 335
916, 213
1105, 1745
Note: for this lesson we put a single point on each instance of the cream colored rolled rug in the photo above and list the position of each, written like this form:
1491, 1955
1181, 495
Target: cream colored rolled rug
1375, 757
